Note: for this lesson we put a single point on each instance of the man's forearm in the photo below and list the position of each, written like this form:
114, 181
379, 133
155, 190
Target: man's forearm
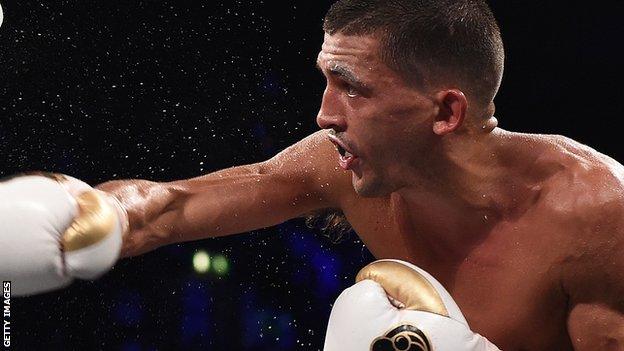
230, 201
144, 201
154, 208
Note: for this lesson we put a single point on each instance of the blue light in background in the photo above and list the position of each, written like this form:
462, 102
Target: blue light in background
325, 265
128, 309
302, 243
265, 141
327, 268
266, 327
252, 320
259, 131
271, 84
287, 335
131, 346
196, 313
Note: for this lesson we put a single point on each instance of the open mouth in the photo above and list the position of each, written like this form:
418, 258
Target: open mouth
346, 156
343, 152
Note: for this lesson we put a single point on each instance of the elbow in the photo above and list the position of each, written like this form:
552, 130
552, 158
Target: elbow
260, 168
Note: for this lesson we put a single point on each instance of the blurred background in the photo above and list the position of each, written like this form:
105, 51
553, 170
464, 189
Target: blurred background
165, 90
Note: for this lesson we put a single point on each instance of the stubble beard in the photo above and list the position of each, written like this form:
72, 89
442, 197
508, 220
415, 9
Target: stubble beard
372, 185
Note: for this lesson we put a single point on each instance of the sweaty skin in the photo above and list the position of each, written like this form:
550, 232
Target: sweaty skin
525, 231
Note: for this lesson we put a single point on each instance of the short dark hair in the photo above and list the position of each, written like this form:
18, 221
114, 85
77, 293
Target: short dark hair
430, 42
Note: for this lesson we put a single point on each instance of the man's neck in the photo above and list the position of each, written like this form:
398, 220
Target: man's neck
476, 181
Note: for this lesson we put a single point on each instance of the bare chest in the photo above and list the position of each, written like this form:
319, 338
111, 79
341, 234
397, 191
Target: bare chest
513, 299
507, 286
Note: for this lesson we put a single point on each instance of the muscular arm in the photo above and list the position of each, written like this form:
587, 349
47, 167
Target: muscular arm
296, 181
594, 281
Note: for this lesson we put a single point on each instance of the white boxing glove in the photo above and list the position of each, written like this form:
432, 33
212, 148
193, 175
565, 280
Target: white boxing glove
397, 306
56, 228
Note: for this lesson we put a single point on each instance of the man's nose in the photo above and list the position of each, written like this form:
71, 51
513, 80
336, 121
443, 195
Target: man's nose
331, 115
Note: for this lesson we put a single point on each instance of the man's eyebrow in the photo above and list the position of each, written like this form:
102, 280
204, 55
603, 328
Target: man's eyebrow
346, 74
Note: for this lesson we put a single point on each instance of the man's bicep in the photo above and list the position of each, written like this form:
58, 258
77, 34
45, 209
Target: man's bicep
594, 283
292, 184
596, 302
596, 326
311, 167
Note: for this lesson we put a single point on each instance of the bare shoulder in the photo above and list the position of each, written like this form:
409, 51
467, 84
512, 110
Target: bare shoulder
587, 195
312, 162
587, 184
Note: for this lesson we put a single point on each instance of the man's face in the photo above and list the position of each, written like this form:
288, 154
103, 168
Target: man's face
383, 125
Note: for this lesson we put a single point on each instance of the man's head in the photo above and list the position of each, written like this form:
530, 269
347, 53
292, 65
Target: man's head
401, 74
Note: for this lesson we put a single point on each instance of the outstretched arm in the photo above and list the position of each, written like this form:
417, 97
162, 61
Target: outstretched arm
300, 179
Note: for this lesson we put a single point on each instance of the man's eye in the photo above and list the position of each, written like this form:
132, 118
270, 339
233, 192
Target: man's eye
351, 91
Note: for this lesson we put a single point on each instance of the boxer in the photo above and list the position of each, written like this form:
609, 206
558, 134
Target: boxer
525, 232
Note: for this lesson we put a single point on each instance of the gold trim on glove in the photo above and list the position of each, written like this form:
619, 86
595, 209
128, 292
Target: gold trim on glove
95, 221
403, 284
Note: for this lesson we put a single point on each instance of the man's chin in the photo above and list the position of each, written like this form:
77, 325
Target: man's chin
368, 187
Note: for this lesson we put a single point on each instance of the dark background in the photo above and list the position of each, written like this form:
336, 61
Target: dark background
165, 90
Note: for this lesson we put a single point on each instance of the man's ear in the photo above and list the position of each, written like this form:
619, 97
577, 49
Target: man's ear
453, 105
